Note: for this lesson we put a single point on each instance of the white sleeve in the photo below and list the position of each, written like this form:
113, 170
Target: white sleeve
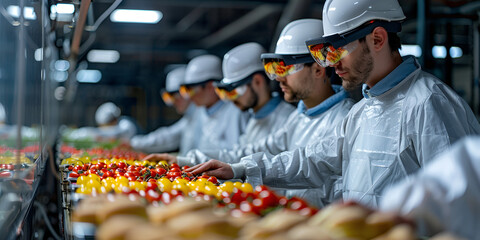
164, 139
443, 196
314, 166
274, 143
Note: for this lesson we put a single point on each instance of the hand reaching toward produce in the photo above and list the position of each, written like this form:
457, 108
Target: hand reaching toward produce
161, 156
214, 168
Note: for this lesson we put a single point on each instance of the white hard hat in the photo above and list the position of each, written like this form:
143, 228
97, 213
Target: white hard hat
106, 113
174, 79
3, 114
203, 68
293, 36
291, 46
241, 62
343, 16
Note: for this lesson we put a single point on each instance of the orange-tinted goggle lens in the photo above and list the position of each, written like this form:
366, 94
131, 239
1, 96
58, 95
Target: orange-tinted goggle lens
327, 56
168, 98
275, 69
231, 95
187, 92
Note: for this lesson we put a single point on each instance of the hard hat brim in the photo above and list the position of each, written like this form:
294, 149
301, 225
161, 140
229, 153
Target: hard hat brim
200, 83
340, 40
233, 85
289, 59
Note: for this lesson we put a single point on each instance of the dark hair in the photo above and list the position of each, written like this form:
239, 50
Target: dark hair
393, 41
309, 64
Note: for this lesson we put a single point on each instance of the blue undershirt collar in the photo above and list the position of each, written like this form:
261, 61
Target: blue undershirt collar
268, 108
340, 95
408, 66
215, 107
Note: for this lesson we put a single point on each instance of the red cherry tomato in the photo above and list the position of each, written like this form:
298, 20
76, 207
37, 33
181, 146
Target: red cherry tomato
122, 165
213, 179
73, 175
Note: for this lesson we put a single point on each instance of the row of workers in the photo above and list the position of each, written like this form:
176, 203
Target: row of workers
330, 148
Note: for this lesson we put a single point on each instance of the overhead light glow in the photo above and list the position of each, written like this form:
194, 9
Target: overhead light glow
65, 8
456, 52
439, 52
89, 76
136, 16
62, 65
59, 76
28, 12
414, 50
38, 54
103, 56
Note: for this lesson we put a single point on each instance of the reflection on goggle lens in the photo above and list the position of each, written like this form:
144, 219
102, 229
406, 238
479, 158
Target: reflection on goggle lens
168, 98
231, 95
276, 68
187, 92
327, 56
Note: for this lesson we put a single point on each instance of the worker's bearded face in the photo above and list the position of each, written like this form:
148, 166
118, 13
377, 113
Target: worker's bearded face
356, 68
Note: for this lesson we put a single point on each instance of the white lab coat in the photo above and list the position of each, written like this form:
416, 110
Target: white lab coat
221, 126
443, 196
182, 135
125, 129
259, 127
382, 140
299, 130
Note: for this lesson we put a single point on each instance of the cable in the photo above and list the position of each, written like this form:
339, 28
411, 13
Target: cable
43, 212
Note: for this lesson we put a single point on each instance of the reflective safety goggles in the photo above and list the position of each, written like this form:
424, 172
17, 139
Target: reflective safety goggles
189, 91
277, 68
232, 95
168, 98
327, 56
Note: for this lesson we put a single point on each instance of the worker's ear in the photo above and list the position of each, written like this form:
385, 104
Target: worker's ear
257, 79
318, 71
379, 37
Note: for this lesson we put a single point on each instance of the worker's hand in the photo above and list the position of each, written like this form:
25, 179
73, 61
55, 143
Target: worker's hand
213, 167
161, 156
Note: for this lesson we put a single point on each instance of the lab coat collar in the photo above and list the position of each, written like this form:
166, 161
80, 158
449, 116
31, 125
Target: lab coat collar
408, 66
190, 109
215, 107
340, 95
271, 105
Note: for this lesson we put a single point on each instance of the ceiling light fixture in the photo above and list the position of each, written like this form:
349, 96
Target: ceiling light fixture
65, 8
89, 76
103, 56
28, 12
136, 16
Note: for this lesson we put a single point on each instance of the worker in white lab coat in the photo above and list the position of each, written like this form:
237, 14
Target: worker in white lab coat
111, 124
221, 122
248, 87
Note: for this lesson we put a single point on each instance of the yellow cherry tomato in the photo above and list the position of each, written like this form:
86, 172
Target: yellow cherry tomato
238, 185
246, 188
164, 184
121, 179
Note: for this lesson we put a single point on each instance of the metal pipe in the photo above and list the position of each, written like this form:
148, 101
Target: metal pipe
421, 29
20, 76
476, 67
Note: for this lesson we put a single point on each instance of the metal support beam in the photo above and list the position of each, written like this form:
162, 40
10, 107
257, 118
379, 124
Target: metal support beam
476, 66
421, 29
235, 28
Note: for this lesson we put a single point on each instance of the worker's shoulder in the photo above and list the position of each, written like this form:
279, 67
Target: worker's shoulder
426, 87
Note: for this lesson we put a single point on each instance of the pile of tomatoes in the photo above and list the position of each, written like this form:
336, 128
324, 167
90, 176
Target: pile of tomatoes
119, 152
161, 183
139, 171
